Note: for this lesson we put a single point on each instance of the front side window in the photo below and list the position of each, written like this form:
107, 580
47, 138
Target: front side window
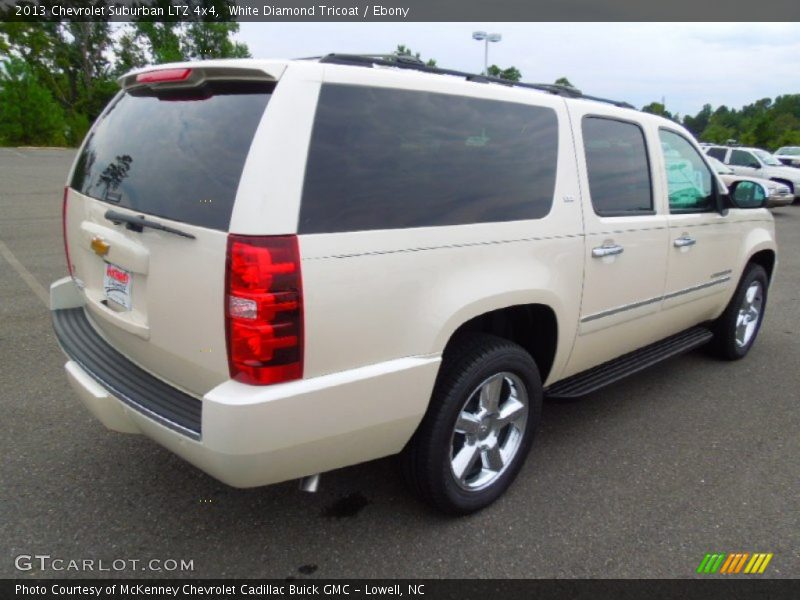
767, 158
617, 166
385, 158
742, 158
689, 180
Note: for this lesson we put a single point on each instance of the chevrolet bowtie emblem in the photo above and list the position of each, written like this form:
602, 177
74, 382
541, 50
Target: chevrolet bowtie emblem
100, 246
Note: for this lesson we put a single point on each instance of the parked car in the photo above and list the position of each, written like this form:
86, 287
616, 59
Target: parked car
789, 155
776, 193
754, 162
280, 268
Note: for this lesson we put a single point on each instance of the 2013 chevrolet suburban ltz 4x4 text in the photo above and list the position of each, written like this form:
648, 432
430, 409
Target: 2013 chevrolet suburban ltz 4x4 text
279, 268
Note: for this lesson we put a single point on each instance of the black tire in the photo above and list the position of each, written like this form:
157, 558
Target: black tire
725, 344
469, 363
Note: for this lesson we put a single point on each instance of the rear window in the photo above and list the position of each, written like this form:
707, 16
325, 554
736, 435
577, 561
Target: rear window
176, 156
387, 159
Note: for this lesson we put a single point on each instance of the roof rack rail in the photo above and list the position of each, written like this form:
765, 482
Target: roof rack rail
411, 62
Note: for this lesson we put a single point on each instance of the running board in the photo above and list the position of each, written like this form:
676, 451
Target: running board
628, 364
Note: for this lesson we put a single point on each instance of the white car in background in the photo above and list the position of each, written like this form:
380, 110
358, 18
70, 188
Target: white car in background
776, 193
754, 162
789, 155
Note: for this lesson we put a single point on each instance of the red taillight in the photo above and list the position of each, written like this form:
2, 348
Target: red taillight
64, 230
163, 76
264, 309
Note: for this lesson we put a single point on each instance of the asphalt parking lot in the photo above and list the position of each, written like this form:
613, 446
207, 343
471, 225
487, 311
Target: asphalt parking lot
641, 479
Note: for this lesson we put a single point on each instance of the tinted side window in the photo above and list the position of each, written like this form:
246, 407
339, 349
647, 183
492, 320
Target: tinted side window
174, 156
689, 179
387, 159
619, 172
740, 158
718, 153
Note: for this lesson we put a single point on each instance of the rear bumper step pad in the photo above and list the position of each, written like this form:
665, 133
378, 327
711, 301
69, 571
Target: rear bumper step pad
122, 378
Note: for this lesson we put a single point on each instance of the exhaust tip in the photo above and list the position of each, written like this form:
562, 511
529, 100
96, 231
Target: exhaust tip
309, 484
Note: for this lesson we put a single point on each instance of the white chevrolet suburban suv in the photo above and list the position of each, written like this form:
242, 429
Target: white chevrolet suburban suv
754, 162
279, 268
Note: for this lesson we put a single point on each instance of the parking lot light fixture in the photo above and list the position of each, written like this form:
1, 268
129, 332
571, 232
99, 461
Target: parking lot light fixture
484, 37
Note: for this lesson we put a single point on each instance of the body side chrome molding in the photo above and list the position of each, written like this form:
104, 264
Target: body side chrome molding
695, 288
619, 309
670, 295
721, 273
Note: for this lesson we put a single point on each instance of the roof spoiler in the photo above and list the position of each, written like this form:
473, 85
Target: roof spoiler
190, 75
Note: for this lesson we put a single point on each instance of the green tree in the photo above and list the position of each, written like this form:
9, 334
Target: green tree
699, 122
787, 138
717, 133
71, 60
726, 117
162, 42
130, 54
656, 108
29, 115
765, 123
77, 63
203, 40
403, 50
789, 104
511, 73
159, 41
565, 82
787, 127
760, 131
207, 32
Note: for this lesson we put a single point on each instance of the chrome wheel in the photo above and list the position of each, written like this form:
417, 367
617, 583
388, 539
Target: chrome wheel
489, 431
749, 314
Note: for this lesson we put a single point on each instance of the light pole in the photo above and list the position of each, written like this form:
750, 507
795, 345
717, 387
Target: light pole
486, 38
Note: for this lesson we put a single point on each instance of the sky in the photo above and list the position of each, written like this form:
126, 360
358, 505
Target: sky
686, 64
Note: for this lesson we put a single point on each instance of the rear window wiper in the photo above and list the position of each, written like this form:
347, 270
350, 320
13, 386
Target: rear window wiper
138, 223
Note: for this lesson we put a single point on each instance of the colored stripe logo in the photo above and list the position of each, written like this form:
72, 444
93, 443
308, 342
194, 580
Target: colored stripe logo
734, 563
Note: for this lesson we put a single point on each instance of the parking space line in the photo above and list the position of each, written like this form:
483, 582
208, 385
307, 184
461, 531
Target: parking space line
36, 287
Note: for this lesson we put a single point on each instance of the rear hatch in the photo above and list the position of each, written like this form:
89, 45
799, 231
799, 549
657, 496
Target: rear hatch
147, 212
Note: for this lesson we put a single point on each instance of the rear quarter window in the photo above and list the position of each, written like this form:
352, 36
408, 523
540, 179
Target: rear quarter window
179, 156
387, 159
718, 153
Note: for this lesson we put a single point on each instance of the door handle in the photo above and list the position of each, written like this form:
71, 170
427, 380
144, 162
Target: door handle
607, 250
684, 241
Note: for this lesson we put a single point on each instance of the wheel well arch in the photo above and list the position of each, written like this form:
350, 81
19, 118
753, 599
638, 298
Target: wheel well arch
765, 258
532, 326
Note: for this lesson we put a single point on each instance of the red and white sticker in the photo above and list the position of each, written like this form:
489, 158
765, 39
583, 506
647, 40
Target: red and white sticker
117, 285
